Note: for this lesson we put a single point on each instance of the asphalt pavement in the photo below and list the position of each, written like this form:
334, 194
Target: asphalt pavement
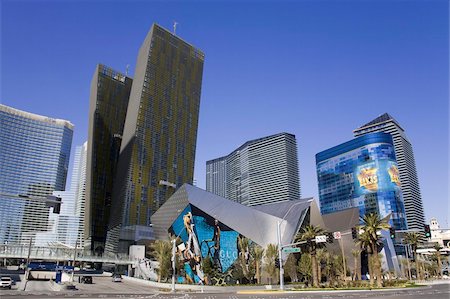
103, 287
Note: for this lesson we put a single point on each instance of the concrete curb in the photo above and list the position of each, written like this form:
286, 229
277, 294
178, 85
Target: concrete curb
252, 292
179, 287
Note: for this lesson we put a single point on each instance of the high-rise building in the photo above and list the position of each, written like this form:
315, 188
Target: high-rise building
69, 226
34, 159
159, 139
110, 92
406, 166
361, 173
216, 176
261, 171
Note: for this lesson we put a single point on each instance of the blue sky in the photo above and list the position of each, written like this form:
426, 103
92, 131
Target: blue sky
317, 69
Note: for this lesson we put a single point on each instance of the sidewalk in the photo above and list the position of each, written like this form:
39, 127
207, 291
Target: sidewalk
261, 289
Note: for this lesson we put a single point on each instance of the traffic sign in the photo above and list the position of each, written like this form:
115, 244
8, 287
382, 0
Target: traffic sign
321, 239
337, 235
291, 250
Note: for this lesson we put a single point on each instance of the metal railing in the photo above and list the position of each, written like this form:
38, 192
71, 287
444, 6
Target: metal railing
61, 254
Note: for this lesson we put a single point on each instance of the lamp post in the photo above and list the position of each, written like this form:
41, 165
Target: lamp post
174, 251
280, 246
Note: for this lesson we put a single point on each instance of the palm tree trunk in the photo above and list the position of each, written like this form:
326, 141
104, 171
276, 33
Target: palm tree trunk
439, 265
417, 269
319, 272
371, 272
258, 276
314, 270
355, 268
377, 267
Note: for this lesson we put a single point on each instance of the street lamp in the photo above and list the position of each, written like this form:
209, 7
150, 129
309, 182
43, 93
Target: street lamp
174, 251
279, 243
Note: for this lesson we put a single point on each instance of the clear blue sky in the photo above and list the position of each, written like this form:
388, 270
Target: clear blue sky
317, 69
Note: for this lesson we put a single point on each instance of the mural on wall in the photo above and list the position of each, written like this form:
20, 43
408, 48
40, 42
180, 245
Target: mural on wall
203, 236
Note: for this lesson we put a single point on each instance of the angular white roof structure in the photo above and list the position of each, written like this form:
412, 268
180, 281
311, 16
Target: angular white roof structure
258, 223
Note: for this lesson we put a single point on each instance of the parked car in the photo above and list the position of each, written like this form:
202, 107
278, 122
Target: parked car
117, 278
6, 282
86, 279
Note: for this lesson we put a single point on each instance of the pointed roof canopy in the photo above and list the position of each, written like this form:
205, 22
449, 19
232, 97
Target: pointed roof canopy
256, 223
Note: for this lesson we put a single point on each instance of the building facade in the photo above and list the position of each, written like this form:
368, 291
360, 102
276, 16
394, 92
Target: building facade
361, 173
216, 176
261, 171
34, 159
439, 235
110, 92
406, 166
160, 134
69, 225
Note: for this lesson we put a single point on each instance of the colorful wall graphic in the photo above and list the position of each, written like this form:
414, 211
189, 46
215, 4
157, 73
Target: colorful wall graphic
203, 236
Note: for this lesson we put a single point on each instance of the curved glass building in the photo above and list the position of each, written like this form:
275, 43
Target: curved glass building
34, 159
361, 173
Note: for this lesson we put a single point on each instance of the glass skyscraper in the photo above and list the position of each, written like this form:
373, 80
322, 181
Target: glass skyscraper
261, 171
159, 140
361, 173
110, 92
34, 159
406, 166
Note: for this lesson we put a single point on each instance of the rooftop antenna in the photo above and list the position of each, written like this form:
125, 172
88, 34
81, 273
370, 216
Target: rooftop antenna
126, 72
175, 27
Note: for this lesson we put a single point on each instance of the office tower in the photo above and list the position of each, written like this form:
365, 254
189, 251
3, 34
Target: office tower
159, 140
406, 166
69, 225
110, 91
261, 171
34, 158
361, 173
216, 176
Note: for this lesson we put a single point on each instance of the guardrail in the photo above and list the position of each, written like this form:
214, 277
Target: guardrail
62, 254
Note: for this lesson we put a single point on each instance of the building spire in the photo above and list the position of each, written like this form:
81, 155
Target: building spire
175, 27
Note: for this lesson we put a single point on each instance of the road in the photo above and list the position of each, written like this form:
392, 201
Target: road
103, 287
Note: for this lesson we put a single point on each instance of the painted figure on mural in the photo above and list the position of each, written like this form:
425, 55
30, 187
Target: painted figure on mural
216, 240
192, 253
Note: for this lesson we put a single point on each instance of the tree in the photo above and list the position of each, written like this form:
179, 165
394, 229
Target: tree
308, 234
291, 267
304, 268
356, 268
270, 256
413, 239
370, 239
438, 247
245, 259
161, 251
258, 254
320, 255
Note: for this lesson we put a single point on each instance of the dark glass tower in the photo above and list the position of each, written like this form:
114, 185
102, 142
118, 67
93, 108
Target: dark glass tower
110, 92
159, 140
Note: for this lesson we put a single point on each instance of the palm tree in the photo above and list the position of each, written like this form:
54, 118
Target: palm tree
438, 247
271, 255
320, 255
258, 253
161, 252
413, 239
308, 234
245, 258
371, 240
356, 269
